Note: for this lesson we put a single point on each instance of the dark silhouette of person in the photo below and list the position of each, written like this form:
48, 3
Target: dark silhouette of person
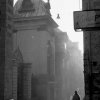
76, 96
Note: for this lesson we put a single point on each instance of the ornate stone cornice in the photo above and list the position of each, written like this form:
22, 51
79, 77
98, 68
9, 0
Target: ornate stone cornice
34, 22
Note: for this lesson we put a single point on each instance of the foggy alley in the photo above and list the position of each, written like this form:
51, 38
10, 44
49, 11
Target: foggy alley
42, 55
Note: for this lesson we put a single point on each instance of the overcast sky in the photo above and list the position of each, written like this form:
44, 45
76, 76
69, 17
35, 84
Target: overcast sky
65, 8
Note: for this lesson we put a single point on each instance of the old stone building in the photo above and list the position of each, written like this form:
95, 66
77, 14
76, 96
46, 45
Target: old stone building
32, 52
36, 37
6, 13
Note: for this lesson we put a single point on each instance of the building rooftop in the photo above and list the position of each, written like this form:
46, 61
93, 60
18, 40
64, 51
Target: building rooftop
31, 8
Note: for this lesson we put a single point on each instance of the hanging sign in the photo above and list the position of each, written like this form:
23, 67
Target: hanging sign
88, 20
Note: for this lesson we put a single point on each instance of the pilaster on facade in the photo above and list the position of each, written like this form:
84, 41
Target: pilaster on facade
23, 82
60, 52
17, 59
27, 80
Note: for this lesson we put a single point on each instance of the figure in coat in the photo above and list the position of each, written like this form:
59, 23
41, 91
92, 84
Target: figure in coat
76, 96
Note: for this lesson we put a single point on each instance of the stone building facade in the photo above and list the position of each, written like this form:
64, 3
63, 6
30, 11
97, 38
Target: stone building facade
6, 48
91, 39
28, 57
35, 37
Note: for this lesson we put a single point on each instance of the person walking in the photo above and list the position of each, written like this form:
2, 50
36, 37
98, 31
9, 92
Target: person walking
76, 96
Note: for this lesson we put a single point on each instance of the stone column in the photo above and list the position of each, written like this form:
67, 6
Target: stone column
14, 79
59, 58
51, 69
27, 81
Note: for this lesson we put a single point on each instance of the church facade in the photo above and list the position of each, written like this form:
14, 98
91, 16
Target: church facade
37, 41
31, 52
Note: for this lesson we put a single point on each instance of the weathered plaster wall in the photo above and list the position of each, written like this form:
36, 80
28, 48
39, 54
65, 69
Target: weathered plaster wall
33, 45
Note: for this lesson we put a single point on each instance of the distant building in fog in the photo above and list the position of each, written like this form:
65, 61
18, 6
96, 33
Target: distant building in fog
73, 71
61, 39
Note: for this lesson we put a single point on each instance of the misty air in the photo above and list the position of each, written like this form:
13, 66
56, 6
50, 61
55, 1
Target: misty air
49, 50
